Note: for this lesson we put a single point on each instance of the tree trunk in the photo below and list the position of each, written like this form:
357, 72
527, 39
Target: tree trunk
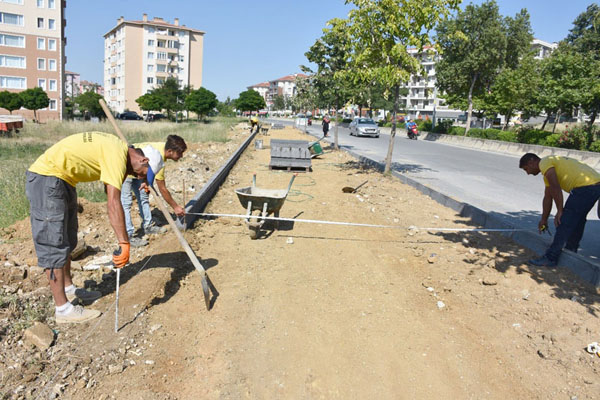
470, 108
507, 116
556, 118
35, 117
546, 121
335, 136
388, 158
590, 133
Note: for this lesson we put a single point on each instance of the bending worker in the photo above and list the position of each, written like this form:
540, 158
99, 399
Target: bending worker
583, 184
254, 123
50, 188
172, 149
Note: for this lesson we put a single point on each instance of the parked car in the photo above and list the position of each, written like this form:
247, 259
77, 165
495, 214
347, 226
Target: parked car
131, 115
156, 117
364, 127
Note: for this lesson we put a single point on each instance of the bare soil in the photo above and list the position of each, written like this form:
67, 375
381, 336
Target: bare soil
312, 311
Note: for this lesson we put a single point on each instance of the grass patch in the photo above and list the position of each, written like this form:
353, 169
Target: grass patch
18, 152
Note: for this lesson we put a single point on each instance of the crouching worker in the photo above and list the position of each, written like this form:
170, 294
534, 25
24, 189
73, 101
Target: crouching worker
50, 188
582, 183
172, 149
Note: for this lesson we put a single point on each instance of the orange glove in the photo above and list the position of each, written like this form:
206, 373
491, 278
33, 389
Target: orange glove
121, 256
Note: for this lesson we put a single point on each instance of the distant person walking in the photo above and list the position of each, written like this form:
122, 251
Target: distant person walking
325, 124
582, 182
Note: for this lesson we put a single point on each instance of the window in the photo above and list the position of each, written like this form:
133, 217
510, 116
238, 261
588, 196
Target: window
161, 55
150, 68
40, 3
161, 43
13, 1
150, 55
150, 80
161, 68
13, 82
52, 24
181, 58
11, 19
41, 64
41, 44
53, 105
173, 44
52, 85
12, 40
52, 44
12, 61
113, 81
150, 42
51, 65
40, 23
160, 81
51, 4
42, 83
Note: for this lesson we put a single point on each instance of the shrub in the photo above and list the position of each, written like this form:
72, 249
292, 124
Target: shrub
573, 139
531, 136
508, 136
443, 126
456, 130
551, 140
595, 146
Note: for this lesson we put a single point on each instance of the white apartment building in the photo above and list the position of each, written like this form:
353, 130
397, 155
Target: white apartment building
542, 49
141, 55
284, 86
32, 43
262, 89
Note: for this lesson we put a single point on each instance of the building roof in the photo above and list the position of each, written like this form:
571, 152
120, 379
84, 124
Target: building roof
262, 84
71, 73
289, 78
156, 21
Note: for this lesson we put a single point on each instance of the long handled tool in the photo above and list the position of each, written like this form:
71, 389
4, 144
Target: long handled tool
163, 208
117, 301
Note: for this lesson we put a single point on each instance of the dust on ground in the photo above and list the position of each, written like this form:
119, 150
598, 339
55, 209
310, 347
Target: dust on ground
313, 310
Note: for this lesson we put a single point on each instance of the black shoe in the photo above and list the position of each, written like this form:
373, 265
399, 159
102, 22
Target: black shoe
542, 262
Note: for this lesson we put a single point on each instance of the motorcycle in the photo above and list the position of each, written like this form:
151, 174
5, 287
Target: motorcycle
412, 132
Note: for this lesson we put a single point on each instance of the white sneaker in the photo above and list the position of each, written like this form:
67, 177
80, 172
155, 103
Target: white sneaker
86, 296
77, 315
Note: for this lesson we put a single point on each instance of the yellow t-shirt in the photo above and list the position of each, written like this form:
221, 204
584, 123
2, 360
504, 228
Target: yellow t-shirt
570, 172
85, 157
160, 146
254, 119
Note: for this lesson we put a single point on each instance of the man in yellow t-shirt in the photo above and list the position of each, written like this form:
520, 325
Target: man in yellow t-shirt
583, 184
50, 188
172, 149
254, 123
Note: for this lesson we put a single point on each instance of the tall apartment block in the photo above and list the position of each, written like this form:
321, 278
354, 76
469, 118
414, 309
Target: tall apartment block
32, 51
140, 55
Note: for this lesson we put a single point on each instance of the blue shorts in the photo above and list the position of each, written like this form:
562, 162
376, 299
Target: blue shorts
53, 214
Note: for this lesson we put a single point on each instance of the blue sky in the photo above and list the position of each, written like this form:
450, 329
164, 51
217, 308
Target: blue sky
248, 42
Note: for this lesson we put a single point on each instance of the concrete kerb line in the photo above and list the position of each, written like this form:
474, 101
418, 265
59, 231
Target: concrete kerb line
581, 266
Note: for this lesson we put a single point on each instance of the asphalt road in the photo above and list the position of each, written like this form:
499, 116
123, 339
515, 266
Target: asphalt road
490, 181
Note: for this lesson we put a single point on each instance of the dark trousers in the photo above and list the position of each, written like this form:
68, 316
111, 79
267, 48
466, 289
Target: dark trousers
572, 222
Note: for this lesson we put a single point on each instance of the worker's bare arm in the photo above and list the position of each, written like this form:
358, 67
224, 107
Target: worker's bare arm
116, 216
168, 198
555, 193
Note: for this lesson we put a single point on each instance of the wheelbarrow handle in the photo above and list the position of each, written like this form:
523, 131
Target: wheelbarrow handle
291, 181
254, 179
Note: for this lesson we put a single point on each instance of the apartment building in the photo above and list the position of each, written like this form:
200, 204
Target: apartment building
542, 49
284, 86
262, 89
87, 86
140, 55
32, 44
72, 84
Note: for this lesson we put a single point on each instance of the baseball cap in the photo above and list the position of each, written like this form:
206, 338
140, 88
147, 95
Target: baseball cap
155, 163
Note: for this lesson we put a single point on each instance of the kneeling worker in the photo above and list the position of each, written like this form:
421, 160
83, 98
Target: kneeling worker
583, 184
172, 149
50, 188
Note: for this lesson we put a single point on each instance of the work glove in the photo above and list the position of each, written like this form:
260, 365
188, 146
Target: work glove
121, 256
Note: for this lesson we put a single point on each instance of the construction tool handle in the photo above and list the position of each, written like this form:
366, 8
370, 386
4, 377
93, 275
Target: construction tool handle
291, 181
111, 119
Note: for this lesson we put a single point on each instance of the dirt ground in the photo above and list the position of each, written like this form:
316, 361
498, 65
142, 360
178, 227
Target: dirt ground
315, 311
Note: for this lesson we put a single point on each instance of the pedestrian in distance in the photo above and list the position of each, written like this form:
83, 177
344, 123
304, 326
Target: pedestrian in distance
172, 149
50, 188
582, 182
325, 124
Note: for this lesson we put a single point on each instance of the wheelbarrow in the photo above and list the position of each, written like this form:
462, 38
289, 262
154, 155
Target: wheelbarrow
267, 201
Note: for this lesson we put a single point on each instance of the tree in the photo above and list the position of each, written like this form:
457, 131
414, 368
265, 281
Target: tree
10, 101
88, 101
250, 100
150, 102
474, 46
278, 103
34, 99
201, 101
382, 31
170, 94
225, 109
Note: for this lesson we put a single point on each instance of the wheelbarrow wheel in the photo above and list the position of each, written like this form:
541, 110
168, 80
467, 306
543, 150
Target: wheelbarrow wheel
254, 232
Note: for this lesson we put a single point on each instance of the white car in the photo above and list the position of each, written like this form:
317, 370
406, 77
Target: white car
364, 127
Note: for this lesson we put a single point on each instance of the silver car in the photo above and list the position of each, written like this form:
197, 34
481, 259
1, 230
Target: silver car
364, 127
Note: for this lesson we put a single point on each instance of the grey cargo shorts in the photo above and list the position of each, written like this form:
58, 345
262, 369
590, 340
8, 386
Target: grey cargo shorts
53, 210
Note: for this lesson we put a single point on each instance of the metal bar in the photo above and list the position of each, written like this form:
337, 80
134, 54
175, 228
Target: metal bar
117, 301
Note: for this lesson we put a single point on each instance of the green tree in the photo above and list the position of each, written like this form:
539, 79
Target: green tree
10, 101
34, 99
225, 109
88, 101
171, 95
201, 101
150, 102
250, 100
474, 47
279, 103
382, 31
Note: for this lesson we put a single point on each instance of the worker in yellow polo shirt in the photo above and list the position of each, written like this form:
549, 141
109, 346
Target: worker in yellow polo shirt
172, 149
254, 123
582, 182
50, 188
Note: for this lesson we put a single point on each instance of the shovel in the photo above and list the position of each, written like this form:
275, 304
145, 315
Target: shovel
348, 189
